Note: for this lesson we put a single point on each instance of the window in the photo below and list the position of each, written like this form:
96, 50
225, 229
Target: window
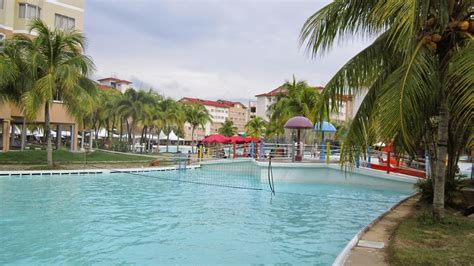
1, 4
63, 22
29, 11
2, 37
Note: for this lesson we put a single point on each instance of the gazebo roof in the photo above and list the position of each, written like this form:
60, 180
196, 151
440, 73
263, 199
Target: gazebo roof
299, 122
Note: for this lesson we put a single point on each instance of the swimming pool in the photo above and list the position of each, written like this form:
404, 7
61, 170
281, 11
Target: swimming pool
153, 218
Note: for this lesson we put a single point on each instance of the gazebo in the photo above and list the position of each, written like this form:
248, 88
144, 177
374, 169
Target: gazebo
298, 123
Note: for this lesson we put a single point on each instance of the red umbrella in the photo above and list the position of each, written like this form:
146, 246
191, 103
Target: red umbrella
215, 138
252, 139
237, 139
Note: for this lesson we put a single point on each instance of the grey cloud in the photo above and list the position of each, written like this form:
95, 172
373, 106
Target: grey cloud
208, 49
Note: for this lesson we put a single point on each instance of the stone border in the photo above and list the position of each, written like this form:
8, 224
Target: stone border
342, 257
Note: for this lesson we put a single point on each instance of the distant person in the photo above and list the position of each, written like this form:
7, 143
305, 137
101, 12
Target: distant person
200, 148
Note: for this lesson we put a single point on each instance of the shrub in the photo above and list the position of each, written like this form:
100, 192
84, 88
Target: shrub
453, 196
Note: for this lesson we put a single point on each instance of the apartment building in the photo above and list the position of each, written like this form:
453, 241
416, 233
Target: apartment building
15, 17
114, 83
220, 111
264, 100
252, 110
238, 114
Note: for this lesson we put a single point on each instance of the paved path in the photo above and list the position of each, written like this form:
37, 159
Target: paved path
379, 233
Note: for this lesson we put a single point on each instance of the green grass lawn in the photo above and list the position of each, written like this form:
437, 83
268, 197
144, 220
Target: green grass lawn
419, 241
64, 156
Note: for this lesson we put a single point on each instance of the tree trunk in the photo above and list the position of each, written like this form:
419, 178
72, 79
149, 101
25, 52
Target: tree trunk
129, 139
150, 136
142, 139
113, 127
121, 129
192, 139
177, 146
440, 164
23, 134
83, 134
47, 134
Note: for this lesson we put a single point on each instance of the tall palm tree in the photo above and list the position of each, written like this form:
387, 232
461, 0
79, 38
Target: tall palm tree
170, 117
275, 128
296, 99
60, 69
196, 115
228, 129
418, 73
16, 77
255, 127
179, 122
132, 107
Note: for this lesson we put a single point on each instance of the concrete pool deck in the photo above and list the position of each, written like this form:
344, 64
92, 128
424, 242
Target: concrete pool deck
368, 251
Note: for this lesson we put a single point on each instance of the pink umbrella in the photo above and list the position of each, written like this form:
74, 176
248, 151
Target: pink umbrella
215, 138
237, 139
252, 139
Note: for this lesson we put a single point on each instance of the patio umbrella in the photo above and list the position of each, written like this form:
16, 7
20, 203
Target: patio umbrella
215, 138
323, 127
237, 139
299, 123
252, 139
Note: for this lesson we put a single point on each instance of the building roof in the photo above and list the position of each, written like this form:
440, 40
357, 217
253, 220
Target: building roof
203, 102
231, 103
116, 80
274, 92
281, 89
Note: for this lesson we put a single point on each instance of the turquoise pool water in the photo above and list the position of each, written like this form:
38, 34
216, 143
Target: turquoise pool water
153, 219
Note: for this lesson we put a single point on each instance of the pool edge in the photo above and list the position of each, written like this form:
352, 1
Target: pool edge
344, 254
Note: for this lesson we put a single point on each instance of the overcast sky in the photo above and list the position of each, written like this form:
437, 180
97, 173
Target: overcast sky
230, 49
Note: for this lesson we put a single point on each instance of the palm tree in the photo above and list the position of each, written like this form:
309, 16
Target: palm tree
255, 127
60, 70
196, 115
180, 119
16, 77
296, 99
418, 73
132, 107
171, 115
275, 128
228, 129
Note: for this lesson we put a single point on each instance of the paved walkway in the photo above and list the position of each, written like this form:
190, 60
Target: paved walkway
371, 249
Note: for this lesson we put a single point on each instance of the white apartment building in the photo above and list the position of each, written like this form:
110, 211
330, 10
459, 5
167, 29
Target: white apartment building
115, 83
346, 107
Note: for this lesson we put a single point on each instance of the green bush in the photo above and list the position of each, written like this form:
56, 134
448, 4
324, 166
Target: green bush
453, 196
121, 146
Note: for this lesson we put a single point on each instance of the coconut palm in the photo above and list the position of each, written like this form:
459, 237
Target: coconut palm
132, 107
196, 115
418, 73
16, 77
296, 99
171, 115
228, 129
255, 127
60, 70
275, 128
